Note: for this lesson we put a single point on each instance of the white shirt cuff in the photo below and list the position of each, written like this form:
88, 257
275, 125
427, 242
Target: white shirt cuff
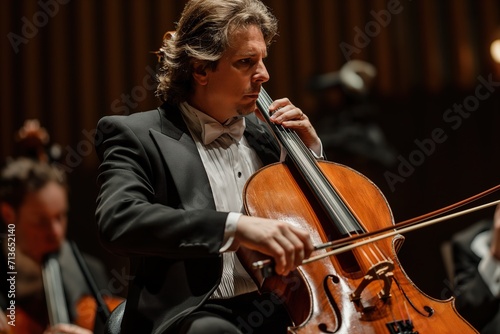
315, 154
230, 230
489, 269
320, 155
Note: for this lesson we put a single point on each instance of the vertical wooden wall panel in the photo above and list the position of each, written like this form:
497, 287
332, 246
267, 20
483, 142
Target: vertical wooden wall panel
464, 70
356, 20
31, 56
61, 106
140, 48
328, 36
166, 17
281, 52
404, 60
430, 47
382, 58
8, 105
303, 58
115, 42
90, 80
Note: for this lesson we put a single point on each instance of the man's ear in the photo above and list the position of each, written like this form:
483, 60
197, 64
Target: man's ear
200, 74
8, 213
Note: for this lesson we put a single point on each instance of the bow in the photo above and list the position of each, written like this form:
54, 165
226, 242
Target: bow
214, 130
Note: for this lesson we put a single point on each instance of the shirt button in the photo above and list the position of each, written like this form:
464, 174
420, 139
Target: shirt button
239, 174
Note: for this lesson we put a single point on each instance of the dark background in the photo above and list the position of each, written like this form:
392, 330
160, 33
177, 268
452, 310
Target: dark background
68, 63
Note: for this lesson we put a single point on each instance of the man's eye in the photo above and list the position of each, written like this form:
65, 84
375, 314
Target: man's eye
245, 61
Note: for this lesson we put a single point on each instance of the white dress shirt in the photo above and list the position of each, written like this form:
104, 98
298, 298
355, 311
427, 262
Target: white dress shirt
229, 163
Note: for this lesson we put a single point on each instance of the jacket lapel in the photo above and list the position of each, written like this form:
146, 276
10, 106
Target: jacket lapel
261, 140
181, 157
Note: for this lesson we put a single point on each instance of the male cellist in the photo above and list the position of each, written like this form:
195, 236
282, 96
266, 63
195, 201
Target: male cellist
170, 186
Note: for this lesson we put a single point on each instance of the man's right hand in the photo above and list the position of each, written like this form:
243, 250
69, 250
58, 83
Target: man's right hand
286, 244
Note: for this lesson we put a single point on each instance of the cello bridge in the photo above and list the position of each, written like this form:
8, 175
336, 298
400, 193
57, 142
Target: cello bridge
381, 271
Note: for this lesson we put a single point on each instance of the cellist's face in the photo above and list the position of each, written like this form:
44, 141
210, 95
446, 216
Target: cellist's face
41, 221
232, 88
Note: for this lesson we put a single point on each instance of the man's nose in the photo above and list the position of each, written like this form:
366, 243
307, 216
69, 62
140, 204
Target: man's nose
57, 230
261, 75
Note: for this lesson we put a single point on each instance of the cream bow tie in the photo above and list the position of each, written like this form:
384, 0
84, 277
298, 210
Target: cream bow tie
214, 130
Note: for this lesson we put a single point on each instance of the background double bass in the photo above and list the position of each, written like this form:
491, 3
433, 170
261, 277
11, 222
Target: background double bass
364, 290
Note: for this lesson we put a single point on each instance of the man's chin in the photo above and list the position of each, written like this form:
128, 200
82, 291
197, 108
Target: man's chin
247, 109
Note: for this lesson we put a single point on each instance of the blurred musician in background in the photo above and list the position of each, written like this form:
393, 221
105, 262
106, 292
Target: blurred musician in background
33, 210
476, 254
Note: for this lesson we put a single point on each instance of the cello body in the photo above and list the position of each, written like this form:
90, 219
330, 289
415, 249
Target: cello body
364, 290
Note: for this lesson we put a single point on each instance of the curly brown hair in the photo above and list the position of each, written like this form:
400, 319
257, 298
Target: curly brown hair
202, 35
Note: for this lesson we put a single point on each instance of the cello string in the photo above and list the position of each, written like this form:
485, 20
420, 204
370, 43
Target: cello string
379, 281
286, 138
401, 311
312, 172
367, 257
311, 166
375, 255
408, 314
386, 258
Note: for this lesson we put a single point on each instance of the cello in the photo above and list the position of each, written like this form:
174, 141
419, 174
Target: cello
361, 290
87, 307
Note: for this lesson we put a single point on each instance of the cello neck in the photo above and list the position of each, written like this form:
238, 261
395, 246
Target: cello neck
290, 141
306, 165
54, 293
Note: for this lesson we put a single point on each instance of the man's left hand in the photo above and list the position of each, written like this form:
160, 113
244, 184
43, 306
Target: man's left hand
285, 113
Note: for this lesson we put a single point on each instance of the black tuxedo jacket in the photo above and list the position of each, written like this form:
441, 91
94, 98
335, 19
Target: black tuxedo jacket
155, 206
473, 297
